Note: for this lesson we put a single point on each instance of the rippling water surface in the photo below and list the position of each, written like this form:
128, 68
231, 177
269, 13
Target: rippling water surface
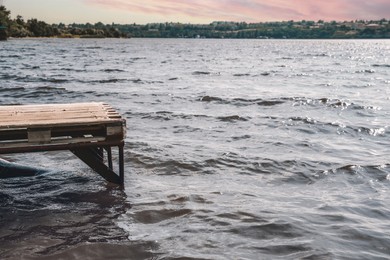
236, 149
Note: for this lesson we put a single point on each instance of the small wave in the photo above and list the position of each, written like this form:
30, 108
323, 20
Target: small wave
303, 74
314, 126
113, 70
269, 231
138, 58
40, 79
210, 99
174, 167
265, 74
295, 101
306, 120
90, 48
12, 56
190, 198
381, 65
3, 90
268, 103
365, 71
380, 131
243, 101
242, 137
334, 103
164, 115
201, 73
366, 173
28, 66
49, 88
153, 82
27, 49
241, 75
109, 80
73, 69
317, 55
42, 92
8, 76
286, 250
164, 165
156, 216
136, 81
55, 80
233, 118
115, 80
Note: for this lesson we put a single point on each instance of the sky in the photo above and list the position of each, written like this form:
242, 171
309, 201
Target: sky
196, 11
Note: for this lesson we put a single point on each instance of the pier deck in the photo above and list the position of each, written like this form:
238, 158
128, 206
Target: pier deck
86, 129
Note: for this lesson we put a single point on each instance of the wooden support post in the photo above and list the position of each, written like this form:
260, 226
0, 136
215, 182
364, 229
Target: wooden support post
98, 152
109, 156
121, 164
89, 156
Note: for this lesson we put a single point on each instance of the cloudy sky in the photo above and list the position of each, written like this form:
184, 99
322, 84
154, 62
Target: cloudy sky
196, 11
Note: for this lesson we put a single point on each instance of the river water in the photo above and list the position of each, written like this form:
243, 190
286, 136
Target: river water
235, 149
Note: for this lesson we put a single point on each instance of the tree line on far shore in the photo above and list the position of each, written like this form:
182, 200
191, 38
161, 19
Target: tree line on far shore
359, 29
19, 28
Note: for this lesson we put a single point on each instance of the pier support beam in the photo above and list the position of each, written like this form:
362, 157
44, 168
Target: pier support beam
94, 158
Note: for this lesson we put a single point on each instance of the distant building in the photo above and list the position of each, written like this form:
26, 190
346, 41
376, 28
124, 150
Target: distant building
373, 26
351, 33
358, 26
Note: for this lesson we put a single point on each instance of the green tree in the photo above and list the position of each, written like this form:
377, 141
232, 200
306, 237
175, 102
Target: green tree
4, 16
40, 28
4, 22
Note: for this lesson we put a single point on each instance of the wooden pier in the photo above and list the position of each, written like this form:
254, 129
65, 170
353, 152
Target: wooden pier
89, 130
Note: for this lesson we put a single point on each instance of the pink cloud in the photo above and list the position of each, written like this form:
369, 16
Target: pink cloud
253, 10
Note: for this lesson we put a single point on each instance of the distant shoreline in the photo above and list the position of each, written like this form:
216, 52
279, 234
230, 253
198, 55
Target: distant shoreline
172, 38
215, 31
358, 29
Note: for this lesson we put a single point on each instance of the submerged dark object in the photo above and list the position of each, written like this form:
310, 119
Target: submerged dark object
9, 170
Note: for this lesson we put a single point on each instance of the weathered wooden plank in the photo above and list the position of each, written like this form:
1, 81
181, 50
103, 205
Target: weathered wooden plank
41, 136
71, 130
114, 130
57, 147
57, 115
75, 112
71, 106
43, 114
53, 142
58, 125
40, 119
58, 107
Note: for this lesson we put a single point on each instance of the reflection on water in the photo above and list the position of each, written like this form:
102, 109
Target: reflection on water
236, 149
53, 211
